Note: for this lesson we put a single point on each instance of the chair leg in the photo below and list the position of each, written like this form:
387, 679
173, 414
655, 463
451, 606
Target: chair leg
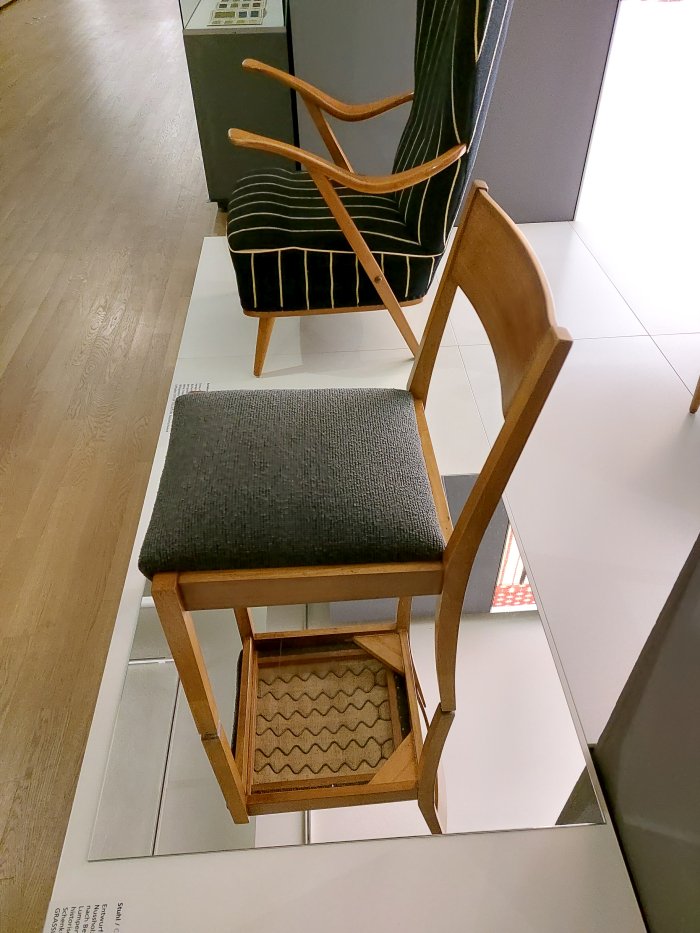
265, 325
434, 808
181, 636
695, 404
403, 613
245, 623
428, 770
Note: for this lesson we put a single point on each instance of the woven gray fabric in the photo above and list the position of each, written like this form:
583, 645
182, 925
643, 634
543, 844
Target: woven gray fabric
269, 478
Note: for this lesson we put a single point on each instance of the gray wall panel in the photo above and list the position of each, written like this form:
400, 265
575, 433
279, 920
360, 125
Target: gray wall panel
534, 145
648, 758
359, 52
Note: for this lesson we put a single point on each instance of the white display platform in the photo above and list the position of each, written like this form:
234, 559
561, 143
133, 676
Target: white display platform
545, 879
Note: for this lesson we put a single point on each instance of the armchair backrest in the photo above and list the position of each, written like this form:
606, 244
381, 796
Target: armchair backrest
493, 264
458, 47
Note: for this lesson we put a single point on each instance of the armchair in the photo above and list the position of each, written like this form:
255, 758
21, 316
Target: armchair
327, 239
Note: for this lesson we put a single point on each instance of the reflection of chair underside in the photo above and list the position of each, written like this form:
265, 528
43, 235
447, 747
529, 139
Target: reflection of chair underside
335, 717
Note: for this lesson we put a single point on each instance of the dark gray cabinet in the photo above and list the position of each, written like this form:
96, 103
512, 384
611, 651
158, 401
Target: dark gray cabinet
225, 96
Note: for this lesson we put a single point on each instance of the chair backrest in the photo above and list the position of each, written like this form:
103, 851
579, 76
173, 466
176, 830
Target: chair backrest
458, 47
496, 269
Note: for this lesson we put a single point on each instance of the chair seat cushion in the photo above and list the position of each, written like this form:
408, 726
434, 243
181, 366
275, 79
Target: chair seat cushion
284, 478
290, 254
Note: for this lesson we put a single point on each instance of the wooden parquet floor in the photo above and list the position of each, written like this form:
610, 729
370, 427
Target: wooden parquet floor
102, 213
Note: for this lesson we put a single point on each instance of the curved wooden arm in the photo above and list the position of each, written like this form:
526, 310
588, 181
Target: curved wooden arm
336, 108
369, 184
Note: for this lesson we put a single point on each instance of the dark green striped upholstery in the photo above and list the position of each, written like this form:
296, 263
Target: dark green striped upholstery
288, 251
316, 268
458, 46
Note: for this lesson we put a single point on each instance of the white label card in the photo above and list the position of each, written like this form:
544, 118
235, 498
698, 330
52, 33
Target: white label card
90, 917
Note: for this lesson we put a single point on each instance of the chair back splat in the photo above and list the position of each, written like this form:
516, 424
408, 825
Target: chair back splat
496, 269
283, 497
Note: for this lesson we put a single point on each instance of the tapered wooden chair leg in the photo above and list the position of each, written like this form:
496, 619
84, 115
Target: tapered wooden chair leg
184, 645
695, 404
265, 325
429, 809
434, 808
429, 780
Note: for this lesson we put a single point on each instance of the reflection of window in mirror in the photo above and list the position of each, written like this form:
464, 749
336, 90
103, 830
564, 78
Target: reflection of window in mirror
512, 592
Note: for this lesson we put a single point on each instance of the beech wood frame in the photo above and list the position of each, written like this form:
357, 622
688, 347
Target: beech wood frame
339, 171
494, 265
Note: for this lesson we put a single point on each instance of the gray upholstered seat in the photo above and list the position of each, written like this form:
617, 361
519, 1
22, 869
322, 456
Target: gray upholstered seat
292, 478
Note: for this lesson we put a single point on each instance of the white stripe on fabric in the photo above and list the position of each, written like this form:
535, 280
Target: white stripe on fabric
449, 200
312, 192
263, 186
425, 191
476, 31
452, 84
286, 174
252, 276
422, 112
359, 197
422, 107
425, 108
419, 25
408, 277
486, 27
320, 207
382, 220
335, 252
279, 273
373, 233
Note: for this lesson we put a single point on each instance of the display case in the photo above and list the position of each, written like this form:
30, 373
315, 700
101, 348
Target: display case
218, 35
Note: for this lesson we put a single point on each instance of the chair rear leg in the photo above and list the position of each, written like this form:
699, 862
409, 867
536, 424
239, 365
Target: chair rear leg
265, 325
695, 404
435, 810
430, 801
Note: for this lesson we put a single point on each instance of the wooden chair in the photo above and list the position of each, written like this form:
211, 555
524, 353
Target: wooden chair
348, 505
695, 401
329, 240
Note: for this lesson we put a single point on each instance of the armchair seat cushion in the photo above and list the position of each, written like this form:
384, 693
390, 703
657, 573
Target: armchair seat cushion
289, 253
275, 478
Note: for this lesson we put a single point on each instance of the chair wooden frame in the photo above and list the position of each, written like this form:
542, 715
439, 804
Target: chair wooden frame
695, 401
493, 264
339, 171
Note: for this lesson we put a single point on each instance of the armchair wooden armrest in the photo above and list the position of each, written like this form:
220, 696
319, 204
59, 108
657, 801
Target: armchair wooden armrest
333, 107
368, 184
